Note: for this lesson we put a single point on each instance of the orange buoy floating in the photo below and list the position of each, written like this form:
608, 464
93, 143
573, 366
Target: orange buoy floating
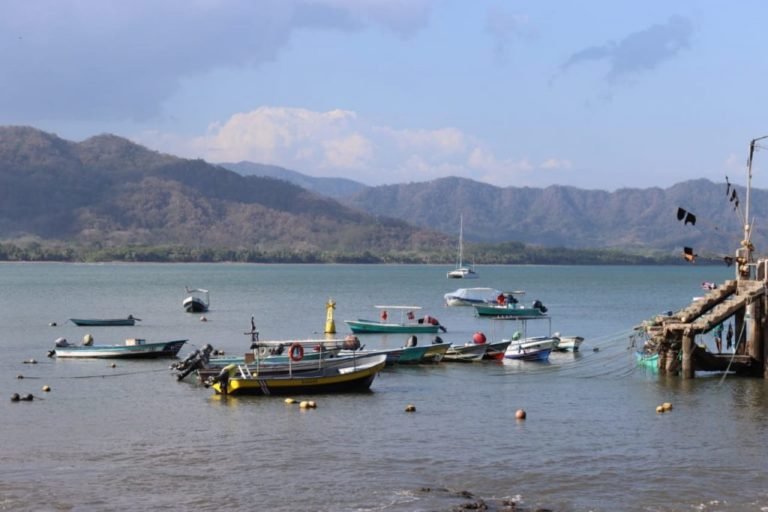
520, 414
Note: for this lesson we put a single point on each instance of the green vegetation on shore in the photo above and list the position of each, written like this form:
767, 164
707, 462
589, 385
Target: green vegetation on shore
510, 253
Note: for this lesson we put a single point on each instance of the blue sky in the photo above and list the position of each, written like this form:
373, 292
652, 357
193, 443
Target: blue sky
595, 94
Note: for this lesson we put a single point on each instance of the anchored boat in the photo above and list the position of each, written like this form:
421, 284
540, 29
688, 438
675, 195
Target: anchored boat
355, 374
132, 348
105, 322
408, 323
197, 300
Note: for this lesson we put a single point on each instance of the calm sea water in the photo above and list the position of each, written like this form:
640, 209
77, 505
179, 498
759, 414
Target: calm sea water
132, 438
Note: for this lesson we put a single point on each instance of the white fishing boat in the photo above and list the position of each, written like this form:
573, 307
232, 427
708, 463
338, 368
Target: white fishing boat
535, 348
568, 343
471, 296
197, 300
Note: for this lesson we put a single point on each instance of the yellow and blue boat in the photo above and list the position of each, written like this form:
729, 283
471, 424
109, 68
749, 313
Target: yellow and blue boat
356, 375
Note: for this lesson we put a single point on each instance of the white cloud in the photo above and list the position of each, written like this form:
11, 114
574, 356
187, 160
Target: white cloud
446, 141
350, 152
340, 143
556, 164
292, 136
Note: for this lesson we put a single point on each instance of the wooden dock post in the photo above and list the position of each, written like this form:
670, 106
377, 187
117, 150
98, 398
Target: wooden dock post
688, 368
739, 333
662, 362
755, 338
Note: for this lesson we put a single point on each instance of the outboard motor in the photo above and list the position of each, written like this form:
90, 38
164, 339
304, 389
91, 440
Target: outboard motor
412, 341
538, 305
196, 360
223, 378
184, 363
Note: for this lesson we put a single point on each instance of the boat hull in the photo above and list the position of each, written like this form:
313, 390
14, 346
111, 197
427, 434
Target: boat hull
466, 353
372, 326
269, 367
569, 343
194, 305
471, 296
647, 360
531, 349
541, 354
462, 273
496, 350
412, 355
326, 380
435, 353
139, 351
106, 322
508, 311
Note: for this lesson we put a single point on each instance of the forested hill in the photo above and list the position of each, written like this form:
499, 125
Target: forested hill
627, 219
109, 191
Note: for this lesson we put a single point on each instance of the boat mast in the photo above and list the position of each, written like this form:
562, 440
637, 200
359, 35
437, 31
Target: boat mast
461, 240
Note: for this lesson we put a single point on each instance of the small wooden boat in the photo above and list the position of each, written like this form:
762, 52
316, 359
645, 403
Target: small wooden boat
105, 322
266, 367
357, 374
496, 350
648, 360
536, 348
568, 343
412, 355
133, 348
197, 300
512, 310
435, 352
275, 354
465, 353
408, 322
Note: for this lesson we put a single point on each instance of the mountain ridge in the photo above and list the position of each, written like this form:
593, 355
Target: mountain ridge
107, 190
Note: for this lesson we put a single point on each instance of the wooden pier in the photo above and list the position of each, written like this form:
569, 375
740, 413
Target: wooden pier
743, 301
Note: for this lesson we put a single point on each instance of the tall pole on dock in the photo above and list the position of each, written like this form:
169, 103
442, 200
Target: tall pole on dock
747, 222
745, 253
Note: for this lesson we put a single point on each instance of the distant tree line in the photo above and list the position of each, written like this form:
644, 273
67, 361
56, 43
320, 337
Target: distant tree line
510, 253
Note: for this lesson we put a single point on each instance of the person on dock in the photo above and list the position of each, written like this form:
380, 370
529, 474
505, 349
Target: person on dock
718, 332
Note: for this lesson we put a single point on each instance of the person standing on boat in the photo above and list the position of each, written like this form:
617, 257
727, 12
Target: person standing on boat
729, 338
384, 315
718, 332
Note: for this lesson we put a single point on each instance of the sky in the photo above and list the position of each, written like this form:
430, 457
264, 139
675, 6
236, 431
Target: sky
595, 94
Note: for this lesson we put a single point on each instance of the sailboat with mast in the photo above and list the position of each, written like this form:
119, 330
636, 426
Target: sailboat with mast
462, 271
